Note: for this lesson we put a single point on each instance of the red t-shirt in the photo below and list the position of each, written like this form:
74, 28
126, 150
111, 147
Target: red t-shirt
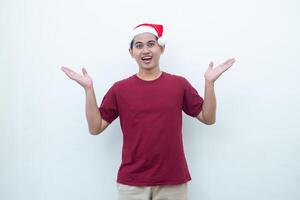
151, 121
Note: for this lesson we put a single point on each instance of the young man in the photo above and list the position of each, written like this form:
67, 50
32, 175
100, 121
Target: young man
150, 105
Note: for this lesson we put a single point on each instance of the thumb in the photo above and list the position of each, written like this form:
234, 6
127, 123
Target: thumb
211, 64
84, 71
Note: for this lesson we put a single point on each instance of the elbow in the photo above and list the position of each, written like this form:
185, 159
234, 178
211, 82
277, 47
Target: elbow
207, 119
210, 121
95, 128
94, 131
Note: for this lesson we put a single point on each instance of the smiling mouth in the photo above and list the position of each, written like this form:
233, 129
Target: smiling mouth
146, 59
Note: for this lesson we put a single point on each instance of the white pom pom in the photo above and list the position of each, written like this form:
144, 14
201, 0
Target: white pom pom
162, 41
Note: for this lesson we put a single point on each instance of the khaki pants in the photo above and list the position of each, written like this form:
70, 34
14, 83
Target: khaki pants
161, 192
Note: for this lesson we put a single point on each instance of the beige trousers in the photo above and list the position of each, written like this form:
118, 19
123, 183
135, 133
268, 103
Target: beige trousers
161, 192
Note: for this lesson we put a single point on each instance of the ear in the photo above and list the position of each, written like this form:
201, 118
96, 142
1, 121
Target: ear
162, 48
130, 51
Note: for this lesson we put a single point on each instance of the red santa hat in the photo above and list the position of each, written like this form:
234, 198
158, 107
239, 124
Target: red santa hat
155, 29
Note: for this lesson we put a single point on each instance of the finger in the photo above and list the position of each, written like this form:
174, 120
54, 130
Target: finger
70, 73
227, 64
223, 68
230, 61
63, 68
66, 69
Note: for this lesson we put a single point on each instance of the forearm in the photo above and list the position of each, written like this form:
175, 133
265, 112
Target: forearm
208, 113
209, 104
92, 113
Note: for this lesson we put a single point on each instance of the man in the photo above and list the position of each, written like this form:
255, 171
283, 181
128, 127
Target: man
150, 105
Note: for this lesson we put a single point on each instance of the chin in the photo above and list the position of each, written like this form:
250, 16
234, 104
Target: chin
148, 67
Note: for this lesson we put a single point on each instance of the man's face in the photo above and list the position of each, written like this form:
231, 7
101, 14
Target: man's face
146, 51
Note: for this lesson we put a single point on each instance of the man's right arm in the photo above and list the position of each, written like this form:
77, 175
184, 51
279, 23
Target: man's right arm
96, 123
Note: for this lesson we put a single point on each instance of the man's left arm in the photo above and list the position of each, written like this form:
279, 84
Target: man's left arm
208, 112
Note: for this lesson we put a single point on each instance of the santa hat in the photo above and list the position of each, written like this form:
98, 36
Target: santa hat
155, 29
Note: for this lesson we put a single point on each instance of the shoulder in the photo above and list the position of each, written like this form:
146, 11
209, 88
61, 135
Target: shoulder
177, 78
120, 84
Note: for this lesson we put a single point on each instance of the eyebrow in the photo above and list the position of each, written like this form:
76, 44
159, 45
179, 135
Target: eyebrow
146, 42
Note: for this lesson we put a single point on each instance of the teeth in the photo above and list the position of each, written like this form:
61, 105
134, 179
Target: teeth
146, 57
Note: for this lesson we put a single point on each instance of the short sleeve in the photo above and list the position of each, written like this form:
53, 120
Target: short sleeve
108, 107
192, 101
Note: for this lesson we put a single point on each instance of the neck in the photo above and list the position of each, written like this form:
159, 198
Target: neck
150, 74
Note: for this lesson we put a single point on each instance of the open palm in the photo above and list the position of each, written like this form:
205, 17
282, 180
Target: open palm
84, 80
212, 74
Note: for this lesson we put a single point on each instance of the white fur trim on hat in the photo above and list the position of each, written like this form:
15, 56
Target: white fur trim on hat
143, 29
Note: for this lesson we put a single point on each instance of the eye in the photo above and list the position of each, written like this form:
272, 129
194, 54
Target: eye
151, 44
139, 46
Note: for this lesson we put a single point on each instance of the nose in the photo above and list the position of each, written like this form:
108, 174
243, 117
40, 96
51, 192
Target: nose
145, 49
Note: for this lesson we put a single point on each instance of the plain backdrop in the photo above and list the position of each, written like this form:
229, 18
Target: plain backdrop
46, 151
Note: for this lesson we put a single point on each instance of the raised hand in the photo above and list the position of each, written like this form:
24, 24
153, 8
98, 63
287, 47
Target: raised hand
212, 74
84, 80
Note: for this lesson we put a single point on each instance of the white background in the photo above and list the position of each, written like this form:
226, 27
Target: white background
46, 151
